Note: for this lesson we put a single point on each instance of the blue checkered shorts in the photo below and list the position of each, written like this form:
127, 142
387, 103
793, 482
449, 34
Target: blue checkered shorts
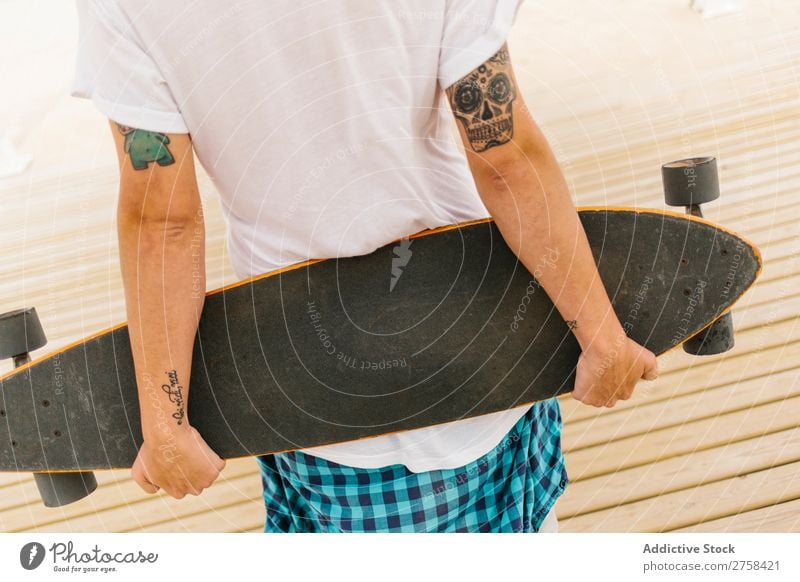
509, 489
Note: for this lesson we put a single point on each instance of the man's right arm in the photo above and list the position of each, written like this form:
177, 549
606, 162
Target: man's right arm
521, 185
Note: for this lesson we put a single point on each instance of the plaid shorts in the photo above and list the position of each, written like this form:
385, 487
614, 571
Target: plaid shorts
509, 489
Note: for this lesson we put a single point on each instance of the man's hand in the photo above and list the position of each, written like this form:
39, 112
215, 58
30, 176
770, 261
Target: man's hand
607, 372
181, 464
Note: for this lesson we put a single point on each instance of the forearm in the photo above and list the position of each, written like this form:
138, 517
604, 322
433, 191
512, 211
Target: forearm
163, 270
530, 203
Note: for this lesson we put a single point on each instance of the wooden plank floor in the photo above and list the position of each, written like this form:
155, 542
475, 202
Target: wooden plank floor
619, 88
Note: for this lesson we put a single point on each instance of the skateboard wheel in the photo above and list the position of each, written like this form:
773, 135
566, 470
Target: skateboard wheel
691, 181
20, 333
717, 338
58, 489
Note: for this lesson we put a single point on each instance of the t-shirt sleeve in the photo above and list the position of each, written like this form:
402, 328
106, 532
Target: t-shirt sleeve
117, 74
473, 31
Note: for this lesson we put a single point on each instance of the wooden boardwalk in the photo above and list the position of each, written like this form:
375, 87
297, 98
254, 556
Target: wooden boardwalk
712, 445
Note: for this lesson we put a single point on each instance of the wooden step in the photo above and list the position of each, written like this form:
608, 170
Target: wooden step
242, 516
141, 512
760, 351
645, 418
680, 473
115, 491
703, 503
779, 518
691, 436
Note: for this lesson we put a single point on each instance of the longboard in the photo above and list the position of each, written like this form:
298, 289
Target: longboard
444, 325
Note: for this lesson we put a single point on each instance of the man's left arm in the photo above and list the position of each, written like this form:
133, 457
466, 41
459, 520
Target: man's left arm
162, 258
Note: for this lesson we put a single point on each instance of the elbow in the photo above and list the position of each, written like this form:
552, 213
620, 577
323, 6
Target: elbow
165, 227
506, 175
158, 209
515, 167
170, 231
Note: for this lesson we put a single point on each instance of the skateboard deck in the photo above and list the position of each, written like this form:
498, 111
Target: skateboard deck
438, 327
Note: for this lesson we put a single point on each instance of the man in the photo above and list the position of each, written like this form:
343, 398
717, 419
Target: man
325, 129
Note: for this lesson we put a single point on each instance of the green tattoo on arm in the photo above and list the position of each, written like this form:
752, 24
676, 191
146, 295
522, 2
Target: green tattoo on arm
145, 146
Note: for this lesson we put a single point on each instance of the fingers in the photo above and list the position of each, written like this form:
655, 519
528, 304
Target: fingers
177, 488
139, 476
650, 367
586, 391
194, 486
591, 398
598, 404
148, 487
181, 490
201, 481
190, 471
175, 493
216, 461
598, 393
604, 382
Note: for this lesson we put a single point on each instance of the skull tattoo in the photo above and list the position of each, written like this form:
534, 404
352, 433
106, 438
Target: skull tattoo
482, 102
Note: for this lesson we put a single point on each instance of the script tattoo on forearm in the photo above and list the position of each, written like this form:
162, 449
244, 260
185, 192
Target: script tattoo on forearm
144, 147
482, 102
174, 391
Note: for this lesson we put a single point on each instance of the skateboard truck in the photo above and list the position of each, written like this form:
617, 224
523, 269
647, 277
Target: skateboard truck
689, 183
21, 333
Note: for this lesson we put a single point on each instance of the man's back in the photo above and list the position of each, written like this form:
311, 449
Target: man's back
325, 128
322, 124
322, 128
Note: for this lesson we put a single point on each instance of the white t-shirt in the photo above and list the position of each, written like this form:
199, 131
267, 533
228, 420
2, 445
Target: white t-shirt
324, 127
